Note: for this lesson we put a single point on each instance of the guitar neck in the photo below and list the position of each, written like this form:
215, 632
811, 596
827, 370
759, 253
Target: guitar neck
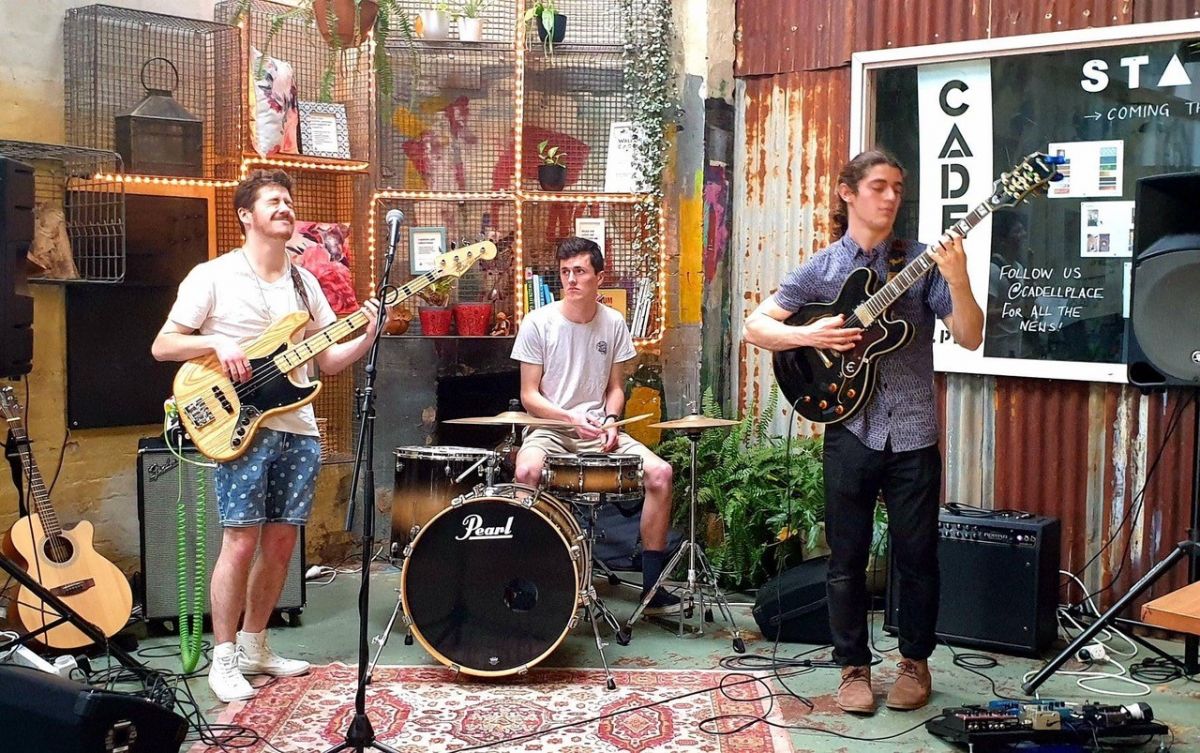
37, 487
308, 349
872, 308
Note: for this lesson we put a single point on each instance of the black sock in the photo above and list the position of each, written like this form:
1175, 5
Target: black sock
653, 563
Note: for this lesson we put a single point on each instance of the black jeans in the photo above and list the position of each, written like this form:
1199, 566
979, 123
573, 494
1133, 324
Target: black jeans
911, 485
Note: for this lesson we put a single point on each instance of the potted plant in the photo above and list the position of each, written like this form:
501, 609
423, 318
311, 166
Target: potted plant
436, 315
473, 318
551, 25
470, 22
552, 172
344, 25
435, 21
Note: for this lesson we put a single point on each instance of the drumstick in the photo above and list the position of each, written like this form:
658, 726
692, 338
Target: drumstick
633, 420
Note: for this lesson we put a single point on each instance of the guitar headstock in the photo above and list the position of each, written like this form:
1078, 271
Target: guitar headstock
8, 404
1030, 175
455, 263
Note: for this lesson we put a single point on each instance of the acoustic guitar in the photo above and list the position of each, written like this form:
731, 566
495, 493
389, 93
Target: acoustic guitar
828, 386
64, 561
221, 416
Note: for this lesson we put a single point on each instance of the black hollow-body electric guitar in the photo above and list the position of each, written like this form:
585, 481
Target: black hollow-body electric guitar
828, 386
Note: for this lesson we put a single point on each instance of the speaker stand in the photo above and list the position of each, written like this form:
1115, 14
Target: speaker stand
1189, 548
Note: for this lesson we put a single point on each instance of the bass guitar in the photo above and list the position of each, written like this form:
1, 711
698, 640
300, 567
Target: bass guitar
221, 416
828, 386
63, 561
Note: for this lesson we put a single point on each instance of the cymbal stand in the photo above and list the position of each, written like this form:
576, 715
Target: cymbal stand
700, 574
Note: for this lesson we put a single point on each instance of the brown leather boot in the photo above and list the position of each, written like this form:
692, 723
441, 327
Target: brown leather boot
912, 687
855, 694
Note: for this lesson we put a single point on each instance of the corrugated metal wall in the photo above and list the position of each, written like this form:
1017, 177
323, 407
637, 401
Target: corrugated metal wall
1076, 450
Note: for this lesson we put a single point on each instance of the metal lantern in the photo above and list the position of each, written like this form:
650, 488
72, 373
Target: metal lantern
159, 136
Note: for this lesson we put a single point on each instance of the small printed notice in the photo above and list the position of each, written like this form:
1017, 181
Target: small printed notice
591, 228
620, 176
1092, 168
1106, 228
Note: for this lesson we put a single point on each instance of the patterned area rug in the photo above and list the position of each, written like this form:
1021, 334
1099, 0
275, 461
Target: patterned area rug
427, 709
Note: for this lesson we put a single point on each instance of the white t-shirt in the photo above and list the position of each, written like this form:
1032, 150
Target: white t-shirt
224, 296
576, 359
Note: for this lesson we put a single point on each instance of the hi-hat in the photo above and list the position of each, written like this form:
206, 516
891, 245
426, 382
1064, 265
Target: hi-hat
510, 418
694, 422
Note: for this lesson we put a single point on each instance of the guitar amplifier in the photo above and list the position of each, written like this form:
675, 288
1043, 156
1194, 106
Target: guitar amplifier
158, 494
999, 582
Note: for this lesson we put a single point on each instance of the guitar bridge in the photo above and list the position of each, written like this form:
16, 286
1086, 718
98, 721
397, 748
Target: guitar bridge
198, 412
73, 589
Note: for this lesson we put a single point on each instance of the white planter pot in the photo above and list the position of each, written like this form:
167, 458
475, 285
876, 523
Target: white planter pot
435, 24
470, 29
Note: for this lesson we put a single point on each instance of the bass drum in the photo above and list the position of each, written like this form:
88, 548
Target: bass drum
491, 584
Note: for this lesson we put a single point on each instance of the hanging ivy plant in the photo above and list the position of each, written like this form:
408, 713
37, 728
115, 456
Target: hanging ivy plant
650, 96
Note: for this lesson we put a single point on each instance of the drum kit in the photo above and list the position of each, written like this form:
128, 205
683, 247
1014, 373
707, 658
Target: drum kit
494, 574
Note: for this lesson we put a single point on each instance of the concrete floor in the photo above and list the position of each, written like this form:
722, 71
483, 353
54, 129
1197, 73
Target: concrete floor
329, 626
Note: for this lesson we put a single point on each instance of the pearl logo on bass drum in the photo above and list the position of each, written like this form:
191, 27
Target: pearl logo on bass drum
475, 530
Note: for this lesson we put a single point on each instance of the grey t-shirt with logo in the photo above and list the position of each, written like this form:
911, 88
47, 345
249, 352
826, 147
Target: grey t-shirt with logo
576, 359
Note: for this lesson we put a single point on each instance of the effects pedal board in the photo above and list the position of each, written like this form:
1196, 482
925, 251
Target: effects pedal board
1007, 723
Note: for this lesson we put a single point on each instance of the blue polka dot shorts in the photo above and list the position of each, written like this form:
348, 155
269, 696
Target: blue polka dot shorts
273, 482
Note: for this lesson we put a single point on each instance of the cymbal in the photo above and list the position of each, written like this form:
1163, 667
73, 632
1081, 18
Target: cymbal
510, 418
694, 422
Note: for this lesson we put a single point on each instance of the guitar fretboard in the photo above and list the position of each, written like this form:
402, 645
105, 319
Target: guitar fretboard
872, 308
307, 349
37, 487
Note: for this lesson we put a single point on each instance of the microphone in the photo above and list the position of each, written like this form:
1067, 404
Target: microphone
394, 219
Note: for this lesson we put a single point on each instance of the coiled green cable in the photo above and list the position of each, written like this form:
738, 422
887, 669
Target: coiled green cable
191, 620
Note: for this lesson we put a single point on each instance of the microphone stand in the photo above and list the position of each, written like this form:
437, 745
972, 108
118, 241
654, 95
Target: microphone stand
361, 735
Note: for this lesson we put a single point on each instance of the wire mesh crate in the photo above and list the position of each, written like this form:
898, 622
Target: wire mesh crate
571, 101
110, 51
79, 199
297, 42
546, 223
465, 222
450, 123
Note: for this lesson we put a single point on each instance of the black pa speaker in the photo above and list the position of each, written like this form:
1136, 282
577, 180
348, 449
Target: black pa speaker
49, 714
793, 607
16, 233
158, 499
1162, 337
999, 577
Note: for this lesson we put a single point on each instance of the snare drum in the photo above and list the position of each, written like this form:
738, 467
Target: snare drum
585, 476
425, 484
491, 584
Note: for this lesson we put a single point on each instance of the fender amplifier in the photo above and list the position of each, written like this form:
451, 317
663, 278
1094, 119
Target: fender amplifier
999, 576
158, 495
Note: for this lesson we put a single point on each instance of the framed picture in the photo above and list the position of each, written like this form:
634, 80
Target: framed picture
323, 130
425, 244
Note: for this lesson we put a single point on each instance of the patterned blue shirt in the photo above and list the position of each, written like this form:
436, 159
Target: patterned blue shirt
901, 408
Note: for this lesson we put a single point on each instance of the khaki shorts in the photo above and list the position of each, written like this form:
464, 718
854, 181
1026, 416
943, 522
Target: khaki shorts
552, 442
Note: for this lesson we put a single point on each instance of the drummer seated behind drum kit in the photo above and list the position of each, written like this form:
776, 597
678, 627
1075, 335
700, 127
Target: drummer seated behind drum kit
494, 574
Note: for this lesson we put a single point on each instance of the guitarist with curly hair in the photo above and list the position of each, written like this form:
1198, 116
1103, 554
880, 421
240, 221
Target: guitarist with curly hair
891, 445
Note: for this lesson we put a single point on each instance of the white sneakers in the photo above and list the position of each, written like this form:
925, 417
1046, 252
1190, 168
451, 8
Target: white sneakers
224, 677
255, 657
250, 656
